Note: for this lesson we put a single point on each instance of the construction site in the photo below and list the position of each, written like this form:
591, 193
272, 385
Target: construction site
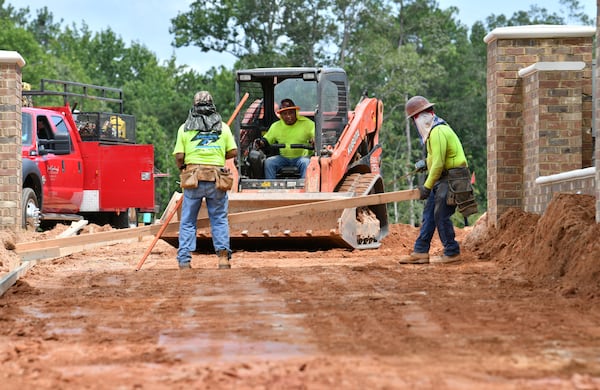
521, 311
95, 307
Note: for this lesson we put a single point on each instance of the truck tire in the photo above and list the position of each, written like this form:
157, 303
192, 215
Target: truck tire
132, 215
29, 207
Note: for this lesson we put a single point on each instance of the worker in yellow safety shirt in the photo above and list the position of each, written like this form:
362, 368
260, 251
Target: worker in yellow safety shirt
445, 159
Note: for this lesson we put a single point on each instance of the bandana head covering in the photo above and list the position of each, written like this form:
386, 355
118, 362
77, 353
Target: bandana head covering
203, 115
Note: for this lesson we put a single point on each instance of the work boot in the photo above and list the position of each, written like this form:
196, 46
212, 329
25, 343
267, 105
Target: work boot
445, 259
185, 265
223, 259
415, 258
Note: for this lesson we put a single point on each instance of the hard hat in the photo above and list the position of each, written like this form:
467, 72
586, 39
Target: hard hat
287, 104
415, 105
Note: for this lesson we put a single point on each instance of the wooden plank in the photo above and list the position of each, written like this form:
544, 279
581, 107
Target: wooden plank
11, 278
100, 237
36, 250
73, 229
41, 253
171, 206
304, 209
47, 250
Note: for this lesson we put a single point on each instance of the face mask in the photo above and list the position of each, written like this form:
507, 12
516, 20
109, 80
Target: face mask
424, 122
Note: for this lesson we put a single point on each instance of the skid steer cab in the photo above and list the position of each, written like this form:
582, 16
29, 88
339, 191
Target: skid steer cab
259, 153
344, 162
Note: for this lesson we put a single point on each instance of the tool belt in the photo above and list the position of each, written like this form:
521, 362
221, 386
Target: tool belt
193, 173
460, 191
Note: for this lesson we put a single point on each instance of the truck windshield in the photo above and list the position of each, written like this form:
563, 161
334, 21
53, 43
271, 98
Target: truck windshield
26, 129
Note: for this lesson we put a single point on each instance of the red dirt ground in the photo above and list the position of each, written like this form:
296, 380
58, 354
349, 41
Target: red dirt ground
521, 311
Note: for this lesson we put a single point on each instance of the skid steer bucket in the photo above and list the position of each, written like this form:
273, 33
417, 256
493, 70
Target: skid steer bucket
295, 221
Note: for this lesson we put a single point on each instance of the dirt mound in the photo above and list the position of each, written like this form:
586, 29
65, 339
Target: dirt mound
559, 249
8, 259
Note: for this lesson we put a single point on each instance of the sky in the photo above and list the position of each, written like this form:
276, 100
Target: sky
148, 21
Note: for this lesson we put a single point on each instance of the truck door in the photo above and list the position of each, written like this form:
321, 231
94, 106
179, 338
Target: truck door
63, 189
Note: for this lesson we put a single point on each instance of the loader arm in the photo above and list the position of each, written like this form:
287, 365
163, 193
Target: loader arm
359, 139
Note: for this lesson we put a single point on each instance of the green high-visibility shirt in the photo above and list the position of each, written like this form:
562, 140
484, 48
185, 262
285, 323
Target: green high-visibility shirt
444, 152
301, 132
204, 148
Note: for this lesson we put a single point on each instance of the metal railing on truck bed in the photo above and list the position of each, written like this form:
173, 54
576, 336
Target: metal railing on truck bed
93, 125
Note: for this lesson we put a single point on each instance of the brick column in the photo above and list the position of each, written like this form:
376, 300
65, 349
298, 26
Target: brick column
552, 136
511, 49
11, 63
597, 112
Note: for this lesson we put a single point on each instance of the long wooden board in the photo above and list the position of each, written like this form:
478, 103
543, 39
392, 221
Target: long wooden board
304, 209
35, 250
84, 241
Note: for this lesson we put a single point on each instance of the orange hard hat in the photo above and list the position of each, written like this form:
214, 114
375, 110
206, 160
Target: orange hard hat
287, 104
415, 105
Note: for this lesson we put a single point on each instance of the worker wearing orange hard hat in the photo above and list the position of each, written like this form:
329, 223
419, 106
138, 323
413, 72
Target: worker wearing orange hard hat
291, 128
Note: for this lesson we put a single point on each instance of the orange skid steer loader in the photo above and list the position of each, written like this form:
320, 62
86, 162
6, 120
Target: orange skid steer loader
345, 163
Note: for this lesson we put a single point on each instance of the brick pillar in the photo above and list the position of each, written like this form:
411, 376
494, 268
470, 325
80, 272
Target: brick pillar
11, 63
597, 111
552, 136
511, 49
531, 137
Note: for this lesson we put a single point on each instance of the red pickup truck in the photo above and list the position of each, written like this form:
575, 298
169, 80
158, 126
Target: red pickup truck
83, 165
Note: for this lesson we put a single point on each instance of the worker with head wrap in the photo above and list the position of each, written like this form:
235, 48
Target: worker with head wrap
203, 144
445, 161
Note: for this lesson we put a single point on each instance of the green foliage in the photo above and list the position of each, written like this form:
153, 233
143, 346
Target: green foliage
43, 28
16, 17
22, 41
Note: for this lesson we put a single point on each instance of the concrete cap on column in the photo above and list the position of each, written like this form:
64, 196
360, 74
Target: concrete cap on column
539, 31
11, 57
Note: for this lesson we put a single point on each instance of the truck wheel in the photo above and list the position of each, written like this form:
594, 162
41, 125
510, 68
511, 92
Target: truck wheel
29, 208
132, 217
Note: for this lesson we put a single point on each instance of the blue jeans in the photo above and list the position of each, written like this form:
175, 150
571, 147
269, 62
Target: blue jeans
217, 203
274, 163
436, 214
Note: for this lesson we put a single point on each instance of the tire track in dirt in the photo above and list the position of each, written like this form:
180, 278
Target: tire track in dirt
369, 305
250, 322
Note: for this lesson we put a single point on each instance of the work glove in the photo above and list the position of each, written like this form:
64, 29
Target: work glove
261, 143
424, 192
421, 166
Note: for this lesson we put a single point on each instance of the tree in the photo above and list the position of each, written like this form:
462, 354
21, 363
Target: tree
20, 40
43, 28
258, 32
17, 17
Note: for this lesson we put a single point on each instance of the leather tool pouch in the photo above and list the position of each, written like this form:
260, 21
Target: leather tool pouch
192, 174
224, 179
460, 191
188, 178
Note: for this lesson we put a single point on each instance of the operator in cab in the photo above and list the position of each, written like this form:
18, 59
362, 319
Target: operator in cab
291, 128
